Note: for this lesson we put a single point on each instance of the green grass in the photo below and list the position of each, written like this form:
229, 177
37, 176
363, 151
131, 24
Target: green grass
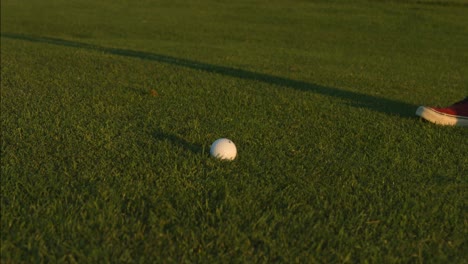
319, 97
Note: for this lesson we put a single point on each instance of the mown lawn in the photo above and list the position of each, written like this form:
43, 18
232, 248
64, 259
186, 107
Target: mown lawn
108, 110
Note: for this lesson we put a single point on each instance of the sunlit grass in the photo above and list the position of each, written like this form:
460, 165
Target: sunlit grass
108, 112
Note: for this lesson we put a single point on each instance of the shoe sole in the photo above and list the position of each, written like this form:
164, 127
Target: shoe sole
441, 118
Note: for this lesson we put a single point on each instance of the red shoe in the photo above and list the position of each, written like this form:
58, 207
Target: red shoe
454, 115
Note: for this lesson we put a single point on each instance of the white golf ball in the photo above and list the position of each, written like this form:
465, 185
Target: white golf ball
224, 149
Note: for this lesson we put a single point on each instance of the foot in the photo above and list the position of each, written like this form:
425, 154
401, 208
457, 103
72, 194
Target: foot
454, 115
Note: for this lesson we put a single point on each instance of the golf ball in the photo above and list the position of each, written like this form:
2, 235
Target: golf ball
224, 149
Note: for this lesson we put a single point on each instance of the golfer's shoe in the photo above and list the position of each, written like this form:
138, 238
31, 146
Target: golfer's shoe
454, 115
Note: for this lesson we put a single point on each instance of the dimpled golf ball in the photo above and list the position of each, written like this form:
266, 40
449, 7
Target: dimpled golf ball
224, 149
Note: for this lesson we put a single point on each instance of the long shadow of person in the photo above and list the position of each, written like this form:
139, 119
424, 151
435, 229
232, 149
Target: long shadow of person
374, 103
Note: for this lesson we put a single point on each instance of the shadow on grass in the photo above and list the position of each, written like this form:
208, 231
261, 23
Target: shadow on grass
178, 141
374, 103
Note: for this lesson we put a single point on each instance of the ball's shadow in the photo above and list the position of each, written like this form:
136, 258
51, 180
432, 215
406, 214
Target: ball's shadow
175, 140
